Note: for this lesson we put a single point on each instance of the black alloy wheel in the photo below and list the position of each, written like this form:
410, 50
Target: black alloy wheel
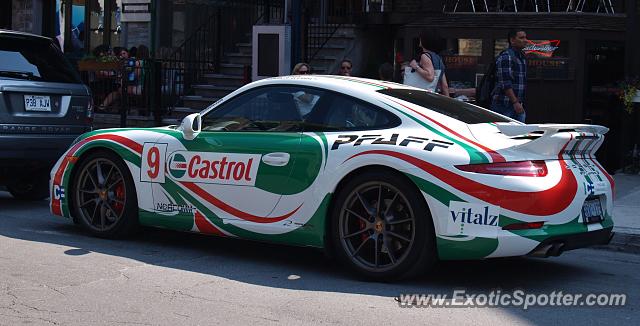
382, 227
104, 196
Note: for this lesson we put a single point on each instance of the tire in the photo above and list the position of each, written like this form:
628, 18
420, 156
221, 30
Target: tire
30, 188
392, 241
104, 196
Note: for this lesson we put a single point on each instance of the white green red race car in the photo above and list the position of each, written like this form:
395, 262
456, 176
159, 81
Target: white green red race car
387, 177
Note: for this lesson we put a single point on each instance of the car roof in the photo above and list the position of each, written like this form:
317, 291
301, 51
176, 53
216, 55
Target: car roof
333, 81
23, 34
359, 87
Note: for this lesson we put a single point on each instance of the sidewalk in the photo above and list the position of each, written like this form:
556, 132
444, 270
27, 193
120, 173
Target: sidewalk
626, 213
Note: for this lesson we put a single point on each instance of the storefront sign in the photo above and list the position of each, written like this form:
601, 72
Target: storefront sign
548, 68
542, 48
136, 11
460, 61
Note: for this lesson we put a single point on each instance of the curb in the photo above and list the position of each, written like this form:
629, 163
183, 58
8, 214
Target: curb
623, 242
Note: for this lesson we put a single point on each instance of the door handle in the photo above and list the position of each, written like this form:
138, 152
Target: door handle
276, 159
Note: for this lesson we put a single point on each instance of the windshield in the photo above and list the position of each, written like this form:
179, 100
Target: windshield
34, 59
458, 110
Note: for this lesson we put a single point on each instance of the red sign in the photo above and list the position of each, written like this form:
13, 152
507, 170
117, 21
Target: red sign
460, 61
543, 48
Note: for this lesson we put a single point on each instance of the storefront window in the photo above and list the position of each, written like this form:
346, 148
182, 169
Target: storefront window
96, 23
105, 26
59, 21
470, 47
499, 45
546, 59
77, 27
116, 25
461, 62
537, 48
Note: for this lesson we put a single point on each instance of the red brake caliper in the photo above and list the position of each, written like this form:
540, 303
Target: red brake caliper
364, 235
118, 206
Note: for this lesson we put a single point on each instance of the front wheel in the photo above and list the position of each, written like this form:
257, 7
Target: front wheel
381, 227
104, 196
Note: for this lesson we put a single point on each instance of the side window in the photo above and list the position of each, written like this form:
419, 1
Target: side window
347, 113
263, 109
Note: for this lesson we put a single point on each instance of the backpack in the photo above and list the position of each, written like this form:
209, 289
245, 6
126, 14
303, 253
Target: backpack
484, 90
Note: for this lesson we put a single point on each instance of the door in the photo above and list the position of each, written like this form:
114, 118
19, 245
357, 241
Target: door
5, 14
604, 69
238, 167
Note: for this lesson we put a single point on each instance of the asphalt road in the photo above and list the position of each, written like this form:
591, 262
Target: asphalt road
53, 273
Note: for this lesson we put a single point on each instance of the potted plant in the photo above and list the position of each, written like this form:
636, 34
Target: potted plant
92, 63
630, 93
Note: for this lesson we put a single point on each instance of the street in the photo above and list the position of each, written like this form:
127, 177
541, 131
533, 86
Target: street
51, 272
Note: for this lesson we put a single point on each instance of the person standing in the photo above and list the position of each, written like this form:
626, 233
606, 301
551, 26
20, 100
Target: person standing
385, 72
511, 77
301, 68
430, 67
345, 67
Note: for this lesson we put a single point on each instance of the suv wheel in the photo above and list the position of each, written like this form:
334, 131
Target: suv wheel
34, 188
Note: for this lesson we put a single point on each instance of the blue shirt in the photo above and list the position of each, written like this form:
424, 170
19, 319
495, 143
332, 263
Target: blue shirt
511, 72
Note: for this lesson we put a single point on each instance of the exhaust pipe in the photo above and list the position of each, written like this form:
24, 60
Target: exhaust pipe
551, 249
556, 249
541, 251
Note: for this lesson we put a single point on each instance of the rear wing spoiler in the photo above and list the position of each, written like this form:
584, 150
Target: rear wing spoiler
548, 129
551, 139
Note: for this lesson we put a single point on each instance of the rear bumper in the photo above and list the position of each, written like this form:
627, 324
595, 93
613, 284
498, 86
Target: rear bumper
30, 156
556, 245
16, 150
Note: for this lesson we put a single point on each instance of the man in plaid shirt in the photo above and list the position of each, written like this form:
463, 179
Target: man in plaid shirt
511, 78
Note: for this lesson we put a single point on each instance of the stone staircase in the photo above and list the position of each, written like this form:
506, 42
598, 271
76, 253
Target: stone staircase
341, 44
231, 76
215, 86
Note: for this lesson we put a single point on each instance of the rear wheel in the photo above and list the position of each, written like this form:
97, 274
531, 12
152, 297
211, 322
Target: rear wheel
382, 228
104, 196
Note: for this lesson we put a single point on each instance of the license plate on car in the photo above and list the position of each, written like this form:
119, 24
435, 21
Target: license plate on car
592, 211
38, 103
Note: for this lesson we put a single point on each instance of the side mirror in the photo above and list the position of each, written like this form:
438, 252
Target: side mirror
190, 126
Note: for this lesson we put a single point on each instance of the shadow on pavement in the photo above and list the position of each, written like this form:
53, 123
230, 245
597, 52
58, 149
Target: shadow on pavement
271, 264
308, 269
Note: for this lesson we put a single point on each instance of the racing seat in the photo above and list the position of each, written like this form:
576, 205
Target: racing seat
282, 108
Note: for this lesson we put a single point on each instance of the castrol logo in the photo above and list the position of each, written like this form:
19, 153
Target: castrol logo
221, 168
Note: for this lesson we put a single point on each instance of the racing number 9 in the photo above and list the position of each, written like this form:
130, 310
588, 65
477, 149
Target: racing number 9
153, 160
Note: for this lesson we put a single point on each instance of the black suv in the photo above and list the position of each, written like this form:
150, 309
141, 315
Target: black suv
43, 107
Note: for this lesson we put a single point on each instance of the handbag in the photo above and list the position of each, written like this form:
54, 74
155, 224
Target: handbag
412, 78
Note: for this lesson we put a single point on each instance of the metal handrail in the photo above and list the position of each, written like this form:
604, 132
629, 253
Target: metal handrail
202, 51
313, 41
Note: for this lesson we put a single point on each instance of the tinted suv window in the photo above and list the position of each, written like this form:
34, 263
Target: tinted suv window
34, 59
459, 110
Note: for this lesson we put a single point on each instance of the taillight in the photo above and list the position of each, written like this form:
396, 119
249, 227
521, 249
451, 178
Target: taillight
520, 168
523, 226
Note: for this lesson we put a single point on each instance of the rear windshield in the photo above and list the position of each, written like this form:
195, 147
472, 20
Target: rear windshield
34, 59
459, 110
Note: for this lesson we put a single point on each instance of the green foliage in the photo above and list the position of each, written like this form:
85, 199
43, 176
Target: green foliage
628, 90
